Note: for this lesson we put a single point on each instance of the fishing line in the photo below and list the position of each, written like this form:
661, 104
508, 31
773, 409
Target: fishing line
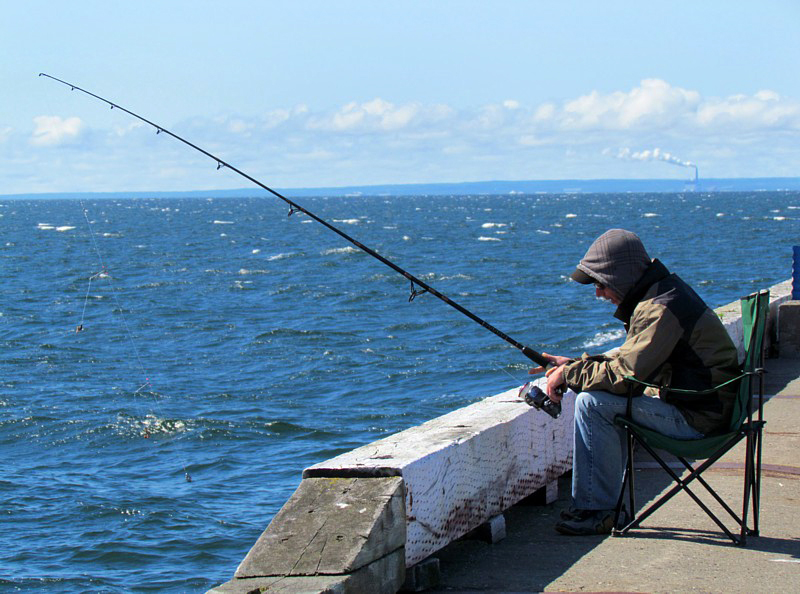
146, 385
417, 288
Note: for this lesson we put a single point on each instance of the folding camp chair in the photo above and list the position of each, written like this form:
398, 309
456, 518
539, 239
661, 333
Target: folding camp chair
755, 309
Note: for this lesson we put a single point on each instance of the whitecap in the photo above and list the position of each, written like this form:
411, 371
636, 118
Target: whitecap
45, 227
649, 215
65, 228
341, 250
570, 215
256, 251
347, 221
778, 218
245, 271
406, 238
492, 225
223, 222
602, 338
489, 238
280, 256
720, 214
543, 232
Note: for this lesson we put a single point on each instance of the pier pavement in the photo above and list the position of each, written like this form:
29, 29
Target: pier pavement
689, 554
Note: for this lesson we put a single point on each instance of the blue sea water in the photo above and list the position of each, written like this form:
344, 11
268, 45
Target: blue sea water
228, 341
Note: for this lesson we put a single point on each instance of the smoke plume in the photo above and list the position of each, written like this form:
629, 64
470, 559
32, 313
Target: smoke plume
653, 155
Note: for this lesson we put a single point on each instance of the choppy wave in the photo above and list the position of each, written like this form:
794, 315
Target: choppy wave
341, 250
283, 255
603, 339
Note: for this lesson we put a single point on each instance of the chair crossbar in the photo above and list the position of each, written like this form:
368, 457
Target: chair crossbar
683, 485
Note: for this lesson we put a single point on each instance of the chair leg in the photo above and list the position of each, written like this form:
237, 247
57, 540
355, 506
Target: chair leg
748, 485
627, 481
757, 483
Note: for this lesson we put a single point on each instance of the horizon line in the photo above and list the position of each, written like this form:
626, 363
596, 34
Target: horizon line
484, 186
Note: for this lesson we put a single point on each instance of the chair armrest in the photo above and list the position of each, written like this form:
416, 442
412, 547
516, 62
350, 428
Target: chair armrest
635, 380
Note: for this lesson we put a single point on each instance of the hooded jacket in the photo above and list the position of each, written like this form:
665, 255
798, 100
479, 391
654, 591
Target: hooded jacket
673, 339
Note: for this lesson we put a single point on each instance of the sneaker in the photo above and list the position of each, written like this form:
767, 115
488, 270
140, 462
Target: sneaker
571, 513
586, 522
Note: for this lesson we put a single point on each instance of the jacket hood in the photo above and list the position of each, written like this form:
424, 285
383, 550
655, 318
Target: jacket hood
616, 259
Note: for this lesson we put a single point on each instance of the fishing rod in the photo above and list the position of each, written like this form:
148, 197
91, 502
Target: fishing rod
418, 287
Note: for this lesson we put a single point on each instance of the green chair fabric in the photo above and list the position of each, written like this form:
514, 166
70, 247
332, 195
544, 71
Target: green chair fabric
755, 309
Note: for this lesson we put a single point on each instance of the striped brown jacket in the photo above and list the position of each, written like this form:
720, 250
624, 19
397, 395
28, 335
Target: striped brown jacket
674, 340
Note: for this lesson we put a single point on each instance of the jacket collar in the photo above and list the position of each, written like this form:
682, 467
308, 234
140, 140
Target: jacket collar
654, 273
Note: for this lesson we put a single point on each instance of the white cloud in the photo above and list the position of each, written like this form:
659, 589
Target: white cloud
379, 141
765, 109
54, 131
654, 102
378, 115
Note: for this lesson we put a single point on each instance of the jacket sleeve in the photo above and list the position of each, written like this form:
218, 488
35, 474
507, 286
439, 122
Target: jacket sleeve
654, 331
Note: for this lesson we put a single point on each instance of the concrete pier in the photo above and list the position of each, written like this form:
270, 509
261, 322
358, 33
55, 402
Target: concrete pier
679, 549
393, 514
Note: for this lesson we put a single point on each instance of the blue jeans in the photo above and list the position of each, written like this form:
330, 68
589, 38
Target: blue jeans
600, 451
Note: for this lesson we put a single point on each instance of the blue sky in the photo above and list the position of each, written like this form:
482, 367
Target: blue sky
304, 94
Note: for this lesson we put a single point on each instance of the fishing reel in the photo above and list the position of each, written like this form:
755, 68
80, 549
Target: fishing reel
535, 397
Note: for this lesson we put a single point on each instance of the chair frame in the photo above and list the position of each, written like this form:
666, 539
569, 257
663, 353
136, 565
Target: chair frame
750, 430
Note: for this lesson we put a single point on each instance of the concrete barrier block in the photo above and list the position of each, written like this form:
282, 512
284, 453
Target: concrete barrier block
492, 531
383, 576
331, 526
422, 576
543, 496
789, 329
464, 468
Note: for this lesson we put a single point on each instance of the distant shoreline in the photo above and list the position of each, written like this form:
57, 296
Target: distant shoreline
575, 186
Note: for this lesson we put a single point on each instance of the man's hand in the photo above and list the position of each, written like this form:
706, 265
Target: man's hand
555, 383
555, 361
554, 374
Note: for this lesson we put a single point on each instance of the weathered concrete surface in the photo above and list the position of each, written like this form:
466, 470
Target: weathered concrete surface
463, 468
789, 329
690, 554
376, 578
330, 526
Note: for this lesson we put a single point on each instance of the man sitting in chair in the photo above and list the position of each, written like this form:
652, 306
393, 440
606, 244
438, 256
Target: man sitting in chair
673, 339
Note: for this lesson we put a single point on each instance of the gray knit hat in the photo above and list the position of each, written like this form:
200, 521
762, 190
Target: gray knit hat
616, 259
